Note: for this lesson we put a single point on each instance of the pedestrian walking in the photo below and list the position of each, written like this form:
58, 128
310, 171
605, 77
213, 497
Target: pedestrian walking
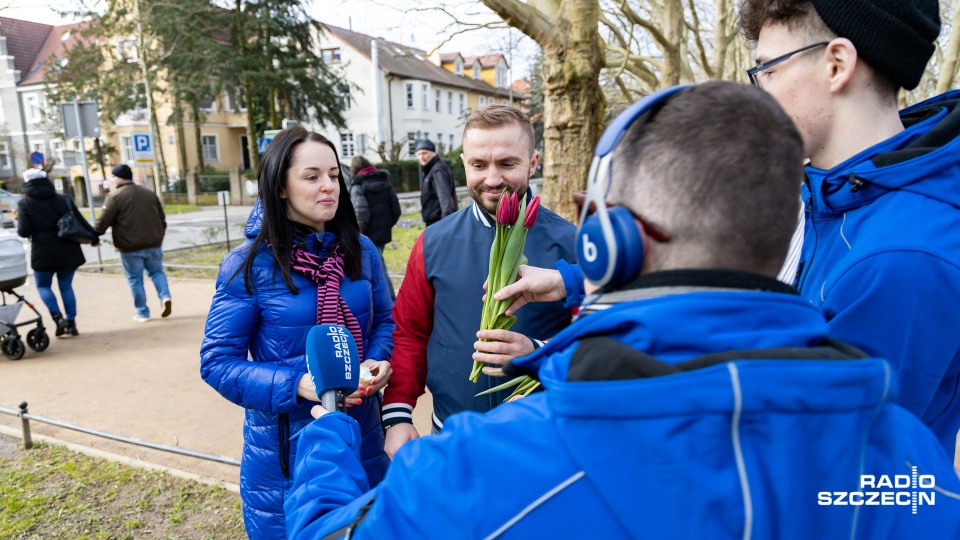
138, 223
376, 204
39, 211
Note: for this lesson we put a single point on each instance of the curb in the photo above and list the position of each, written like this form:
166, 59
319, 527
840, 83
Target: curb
102, 454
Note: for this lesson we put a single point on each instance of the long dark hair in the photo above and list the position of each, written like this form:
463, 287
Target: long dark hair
276, 230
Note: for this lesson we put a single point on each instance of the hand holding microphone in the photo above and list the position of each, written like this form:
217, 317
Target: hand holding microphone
333, 365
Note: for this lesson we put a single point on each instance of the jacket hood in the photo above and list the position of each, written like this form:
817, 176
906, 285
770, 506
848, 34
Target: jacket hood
374, 182
713, 321
39, 188
923, 159
324, 240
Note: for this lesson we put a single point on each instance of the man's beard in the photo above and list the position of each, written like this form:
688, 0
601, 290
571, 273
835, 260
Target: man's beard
491, 206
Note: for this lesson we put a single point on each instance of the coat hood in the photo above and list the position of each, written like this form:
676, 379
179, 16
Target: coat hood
39, 188
374, 182
923, 159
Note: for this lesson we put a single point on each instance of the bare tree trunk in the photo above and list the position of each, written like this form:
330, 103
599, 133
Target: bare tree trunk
673, 23
573, 101
197, 119
948, 70
247, 91
181, 144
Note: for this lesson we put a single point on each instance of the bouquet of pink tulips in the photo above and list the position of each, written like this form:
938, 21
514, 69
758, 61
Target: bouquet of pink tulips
506, 256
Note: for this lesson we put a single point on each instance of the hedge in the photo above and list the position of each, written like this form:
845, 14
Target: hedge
405, 175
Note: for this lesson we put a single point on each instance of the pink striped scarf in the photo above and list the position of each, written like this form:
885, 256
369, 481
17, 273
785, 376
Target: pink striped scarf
327, 274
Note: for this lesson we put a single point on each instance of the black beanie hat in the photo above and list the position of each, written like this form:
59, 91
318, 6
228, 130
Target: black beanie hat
894, 36
425, 144
122, 171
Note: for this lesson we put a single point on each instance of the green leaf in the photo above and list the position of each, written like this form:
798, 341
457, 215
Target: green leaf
504, 322
504, 386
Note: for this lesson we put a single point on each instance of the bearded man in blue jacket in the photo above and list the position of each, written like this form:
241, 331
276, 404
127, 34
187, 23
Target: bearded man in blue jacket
881, 253
698, 398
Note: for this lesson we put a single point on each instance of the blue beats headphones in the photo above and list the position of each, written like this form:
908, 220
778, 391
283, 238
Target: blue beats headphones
609, 243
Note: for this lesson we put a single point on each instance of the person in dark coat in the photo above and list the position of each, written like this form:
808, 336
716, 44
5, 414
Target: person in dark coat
376, 204
39, 210
438, 190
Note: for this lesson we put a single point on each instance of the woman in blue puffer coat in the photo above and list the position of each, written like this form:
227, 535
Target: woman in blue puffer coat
305, 264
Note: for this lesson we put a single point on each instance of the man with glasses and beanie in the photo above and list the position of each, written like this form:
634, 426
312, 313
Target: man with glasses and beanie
438, 190
705, 400
880, 256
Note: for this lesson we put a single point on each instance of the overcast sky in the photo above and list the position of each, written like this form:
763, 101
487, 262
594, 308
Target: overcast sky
389, 19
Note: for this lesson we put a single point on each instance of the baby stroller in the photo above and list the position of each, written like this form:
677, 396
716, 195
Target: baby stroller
13, 273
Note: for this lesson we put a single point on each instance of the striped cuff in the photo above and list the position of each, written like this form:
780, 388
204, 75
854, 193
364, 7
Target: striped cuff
396, 413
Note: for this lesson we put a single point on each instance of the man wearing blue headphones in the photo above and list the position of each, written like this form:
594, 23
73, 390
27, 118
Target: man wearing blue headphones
704, 401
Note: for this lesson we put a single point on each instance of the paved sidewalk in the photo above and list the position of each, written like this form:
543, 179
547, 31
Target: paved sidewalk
137, 379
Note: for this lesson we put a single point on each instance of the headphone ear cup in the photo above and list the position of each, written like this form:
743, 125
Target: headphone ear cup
629, 246
593, 251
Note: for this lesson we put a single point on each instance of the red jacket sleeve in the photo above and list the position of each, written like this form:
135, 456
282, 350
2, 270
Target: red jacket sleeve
413, 315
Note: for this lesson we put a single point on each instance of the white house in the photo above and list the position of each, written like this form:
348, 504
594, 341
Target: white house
400, 94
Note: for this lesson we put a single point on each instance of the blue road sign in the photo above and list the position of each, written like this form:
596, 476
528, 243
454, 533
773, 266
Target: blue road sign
141, 142
262, 143
36, 158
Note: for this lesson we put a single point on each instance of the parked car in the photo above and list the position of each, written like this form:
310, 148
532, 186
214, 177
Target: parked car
8, 207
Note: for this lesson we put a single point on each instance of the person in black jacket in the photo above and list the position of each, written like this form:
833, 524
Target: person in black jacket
438, 190
39, 210
376, 204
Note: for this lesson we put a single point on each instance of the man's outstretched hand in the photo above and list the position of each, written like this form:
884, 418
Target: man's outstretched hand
534, 285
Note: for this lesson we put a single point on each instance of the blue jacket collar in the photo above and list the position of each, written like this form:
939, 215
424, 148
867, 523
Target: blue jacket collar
928, 145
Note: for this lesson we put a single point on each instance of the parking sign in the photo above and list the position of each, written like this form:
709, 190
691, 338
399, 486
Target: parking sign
142, 149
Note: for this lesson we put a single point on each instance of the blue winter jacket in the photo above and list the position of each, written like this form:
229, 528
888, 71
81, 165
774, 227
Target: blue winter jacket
881, 257
253, 354
745, 449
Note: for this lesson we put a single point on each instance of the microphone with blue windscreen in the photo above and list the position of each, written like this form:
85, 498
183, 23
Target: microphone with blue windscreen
333, 363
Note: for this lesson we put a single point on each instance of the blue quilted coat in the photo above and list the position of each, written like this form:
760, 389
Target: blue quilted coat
253, 355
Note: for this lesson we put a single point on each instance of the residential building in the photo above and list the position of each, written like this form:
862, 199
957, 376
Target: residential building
27, 122
399, 94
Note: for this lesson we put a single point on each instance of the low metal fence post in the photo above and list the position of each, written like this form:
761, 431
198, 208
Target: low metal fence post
25, 425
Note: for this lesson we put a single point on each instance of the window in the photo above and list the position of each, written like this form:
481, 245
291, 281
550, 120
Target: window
330, 56
483, 101
362, 144
477, 70
233, 102
411, 144
38, 146
4, 155
449, 102
424, 92
501, 77
33, 109
207, 104
458, 66
437, 94
504, 102
347, 147
343, 96
463, 103
211, 148
439, 138
127, 50
56, 148
409, 86
126, 147
451, 142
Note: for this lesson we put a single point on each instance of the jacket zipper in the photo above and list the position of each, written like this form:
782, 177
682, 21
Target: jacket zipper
284, 429
800, 279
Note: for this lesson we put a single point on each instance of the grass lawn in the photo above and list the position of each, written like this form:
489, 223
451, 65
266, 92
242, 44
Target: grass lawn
180, 208
51, 492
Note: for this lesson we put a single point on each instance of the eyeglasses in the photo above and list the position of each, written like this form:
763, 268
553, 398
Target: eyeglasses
753, 72
653, 231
